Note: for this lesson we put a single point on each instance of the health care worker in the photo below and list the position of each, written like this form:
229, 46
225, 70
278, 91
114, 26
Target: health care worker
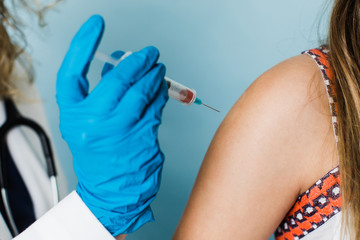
112, 133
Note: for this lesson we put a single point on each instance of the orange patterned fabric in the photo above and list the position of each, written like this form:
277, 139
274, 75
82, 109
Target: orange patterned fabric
322, 201
320, 56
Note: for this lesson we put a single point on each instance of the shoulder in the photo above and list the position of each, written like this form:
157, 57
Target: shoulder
294, 82
289, 103
287, 93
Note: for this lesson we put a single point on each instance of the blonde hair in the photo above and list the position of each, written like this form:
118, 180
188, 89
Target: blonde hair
344, 46
13, 42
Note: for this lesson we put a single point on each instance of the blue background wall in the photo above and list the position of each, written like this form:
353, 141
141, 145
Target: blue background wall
216, 47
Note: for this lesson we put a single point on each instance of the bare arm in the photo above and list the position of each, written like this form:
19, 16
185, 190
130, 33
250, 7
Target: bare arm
254, 168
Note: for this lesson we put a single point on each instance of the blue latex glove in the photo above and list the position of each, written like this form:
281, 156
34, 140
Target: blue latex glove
112, 131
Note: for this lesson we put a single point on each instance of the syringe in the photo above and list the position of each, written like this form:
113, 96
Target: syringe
176, 90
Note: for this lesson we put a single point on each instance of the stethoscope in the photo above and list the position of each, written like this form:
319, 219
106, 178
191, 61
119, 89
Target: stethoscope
13, 120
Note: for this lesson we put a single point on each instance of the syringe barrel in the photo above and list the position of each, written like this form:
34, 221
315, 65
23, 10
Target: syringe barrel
179, 92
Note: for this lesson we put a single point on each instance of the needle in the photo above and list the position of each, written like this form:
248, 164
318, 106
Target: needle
210, 107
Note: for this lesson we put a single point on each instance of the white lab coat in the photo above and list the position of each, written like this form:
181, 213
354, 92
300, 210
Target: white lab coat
70, 219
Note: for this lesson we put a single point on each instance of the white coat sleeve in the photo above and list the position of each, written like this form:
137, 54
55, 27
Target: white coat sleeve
70, 219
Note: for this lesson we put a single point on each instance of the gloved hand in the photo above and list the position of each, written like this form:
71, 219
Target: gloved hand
112, 131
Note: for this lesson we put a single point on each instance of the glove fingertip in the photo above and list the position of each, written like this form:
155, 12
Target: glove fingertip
163, 86
152, 54
117, 54
92, 28
96, 18
162, 68
107, 67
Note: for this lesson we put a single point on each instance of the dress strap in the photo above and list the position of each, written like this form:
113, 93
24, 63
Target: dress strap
322, 201
321, 57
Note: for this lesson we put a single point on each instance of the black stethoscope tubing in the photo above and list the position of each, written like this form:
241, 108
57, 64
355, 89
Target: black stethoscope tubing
15, 119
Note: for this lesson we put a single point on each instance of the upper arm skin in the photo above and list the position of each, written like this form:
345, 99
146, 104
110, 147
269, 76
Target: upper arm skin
254, 168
